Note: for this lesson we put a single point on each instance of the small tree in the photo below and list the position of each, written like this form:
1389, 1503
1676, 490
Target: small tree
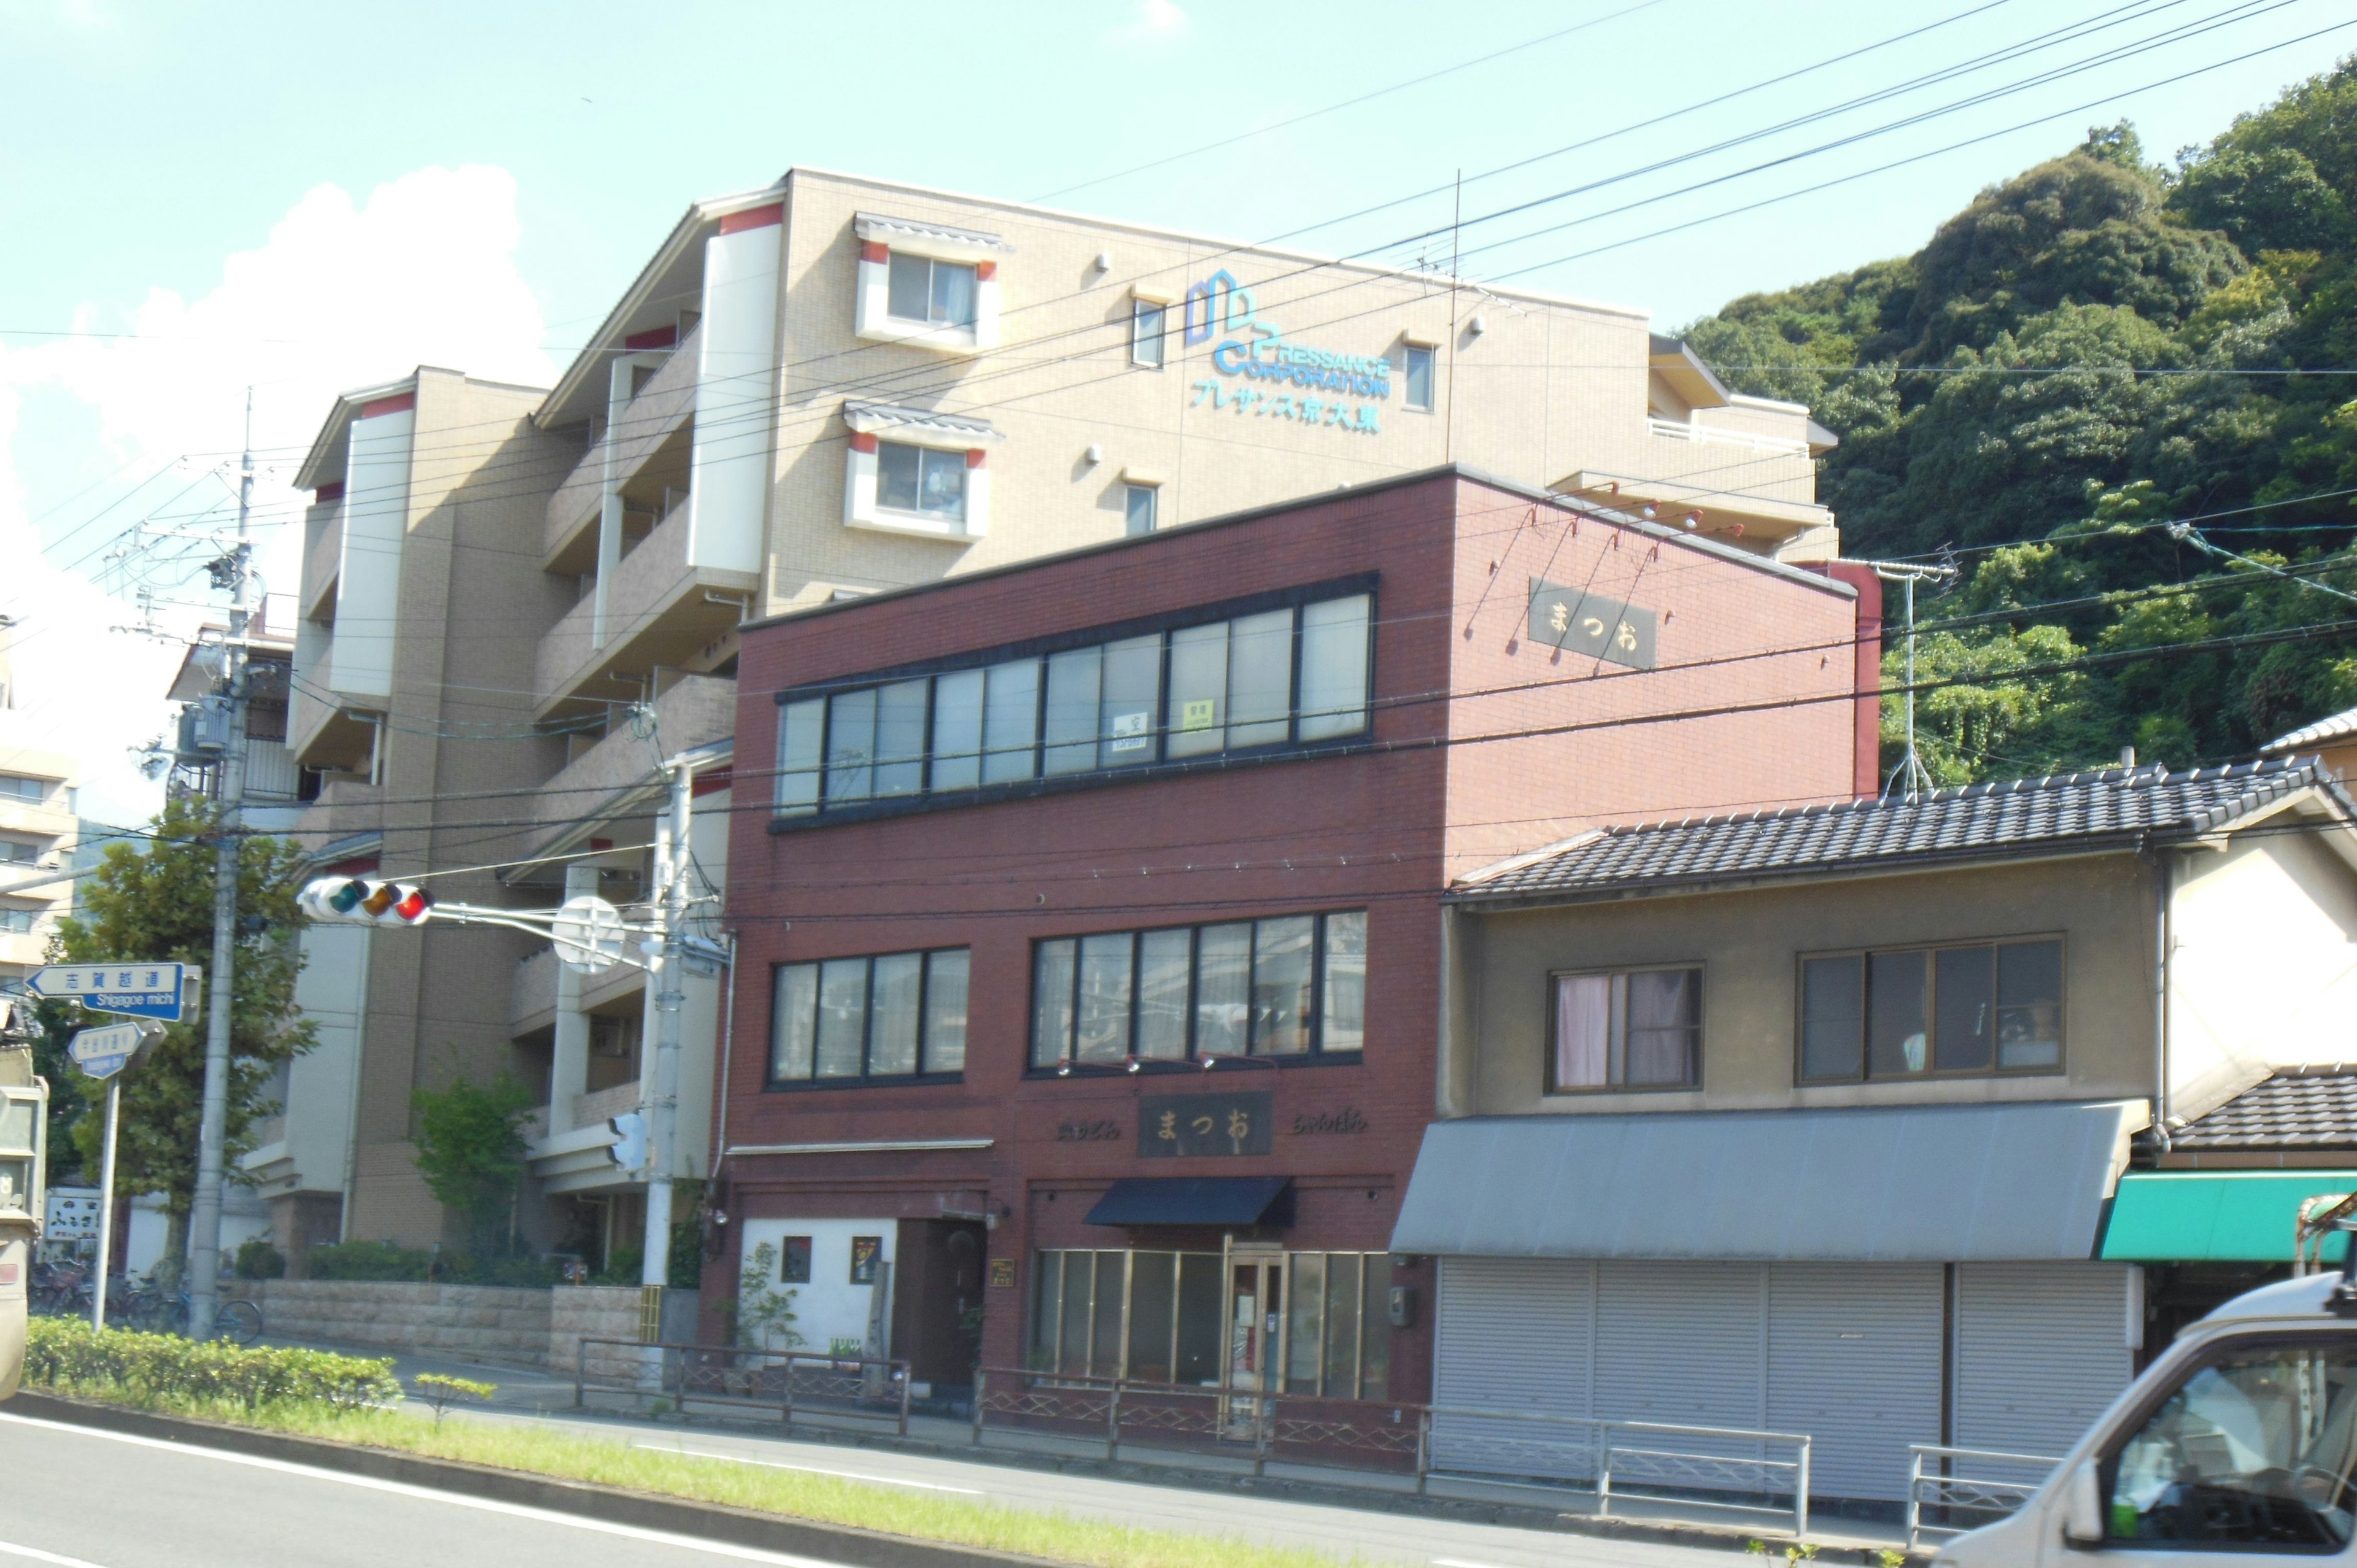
470, 1150
765, 1317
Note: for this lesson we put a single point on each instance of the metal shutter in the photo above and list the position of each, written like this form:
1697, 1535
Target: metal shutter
1680, 1342
1854, 1362
1512, 1334
2040, 1349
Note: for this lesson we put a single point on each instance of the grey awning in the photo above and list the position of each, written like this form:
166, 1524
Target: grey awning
1947, 1183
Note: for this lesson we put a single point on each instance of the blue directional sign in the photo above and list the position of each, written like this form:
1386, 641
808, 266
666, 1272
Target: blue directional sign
102, 1052
166, 992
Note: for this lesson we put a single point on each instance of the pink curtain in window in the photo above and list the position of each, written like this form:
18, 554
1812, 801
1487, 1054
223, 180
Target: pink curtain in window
1583, 1030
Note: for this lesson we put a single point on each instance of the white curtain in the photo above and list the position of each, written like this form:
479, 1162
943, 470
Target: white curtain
1583, 1030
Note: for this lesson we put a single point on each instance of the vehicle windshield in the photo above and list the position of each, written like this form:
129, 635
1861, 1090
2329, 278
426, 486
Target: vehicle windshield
2255, 1448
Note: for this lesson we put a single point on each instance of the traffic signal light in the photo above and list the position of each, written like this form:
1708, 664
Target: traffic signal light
355, 900
629, 1148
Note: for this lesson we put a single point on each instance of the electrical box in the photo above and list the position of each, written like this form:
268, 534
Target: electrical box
204, 728
1403, 1304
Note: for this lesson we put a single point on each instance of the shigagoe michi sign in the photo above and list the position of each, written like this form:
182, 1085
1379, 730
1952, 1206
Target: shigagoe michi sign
1294, 382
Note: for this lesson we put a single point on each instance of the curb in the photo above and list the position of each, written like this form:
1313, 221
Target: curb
676, 1516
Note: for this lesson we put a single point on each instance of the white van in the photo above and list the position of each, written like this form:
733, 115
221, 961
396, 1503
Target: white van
2238, 1445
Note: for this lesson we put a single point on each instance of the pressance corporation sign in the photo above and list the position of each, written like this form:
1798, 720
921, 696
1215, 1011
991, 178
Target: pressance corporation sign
1304, 385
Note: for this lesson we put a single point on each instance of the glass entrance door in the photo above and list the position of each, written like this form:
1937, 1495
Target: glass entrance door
1255, 1318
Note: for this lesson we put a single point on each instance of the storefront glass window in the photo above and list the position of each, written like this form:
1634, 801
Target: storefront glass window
1306, 1317
1153, 1306
1112, 1293
1201, 1329
1342, 1326
1233, 685
1097, 1000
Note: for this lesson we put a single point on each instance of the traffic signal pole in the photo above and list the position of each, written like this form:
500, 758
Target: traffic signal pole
205, 1213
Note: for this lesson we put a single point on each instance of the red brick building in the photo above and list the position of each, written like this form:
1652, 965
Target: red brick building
1048, 839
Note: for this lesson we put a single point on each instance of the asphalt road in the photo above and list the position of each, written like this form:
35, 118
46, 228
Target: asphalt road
71, 1498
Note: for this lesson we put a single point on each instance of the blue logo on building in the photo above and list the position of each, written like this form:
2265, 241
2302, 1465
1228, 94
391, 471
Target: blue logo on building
1253, 347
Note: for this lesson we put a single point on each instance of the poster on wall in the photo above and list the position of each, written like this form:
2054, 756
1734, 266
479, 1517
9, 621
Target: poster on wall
867, 1252
794, 1264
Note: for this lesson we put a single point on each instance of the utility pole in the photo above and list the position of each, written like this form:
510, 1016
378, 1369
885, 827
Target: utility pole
674, 858
204, 1218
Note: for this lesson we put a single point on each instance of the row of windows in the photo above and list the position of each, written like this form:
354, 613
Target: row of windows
1279, 678
1149, 338
16, 787
1972, 1008
1288, 986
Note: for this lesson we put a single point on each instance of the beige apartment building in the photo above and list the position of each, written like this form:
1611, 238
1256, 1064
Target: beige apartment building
516, 603
39, 831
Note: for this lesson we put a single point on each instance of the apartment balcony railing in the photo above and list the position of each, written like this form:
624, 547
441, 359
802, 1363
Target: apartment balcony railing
694, 709
323, 552
1719, 435
660, 611
321, 732
531, 1000
652, 418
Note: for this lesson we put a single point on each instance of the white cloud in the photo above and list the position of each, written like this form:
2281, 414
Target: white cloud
340, 295
1155, 21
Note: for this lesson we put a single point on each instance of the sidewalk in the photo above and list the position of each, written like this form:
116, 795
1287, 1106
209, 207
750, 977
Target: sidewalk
1459, 1524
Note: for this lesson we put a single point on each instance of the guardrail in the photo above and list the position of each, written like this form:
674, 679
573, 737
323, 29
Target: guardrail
1769, 1471
1954, 1496
856, 1388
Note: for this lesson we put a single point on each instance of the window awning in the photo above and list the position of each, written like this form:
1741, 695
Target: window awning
2216, 1216
1196, 1200
1932, 1182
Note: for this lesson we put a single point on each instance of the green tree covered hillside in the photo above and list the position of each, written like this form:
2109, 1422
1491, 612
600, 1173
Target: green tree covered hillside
2088, 350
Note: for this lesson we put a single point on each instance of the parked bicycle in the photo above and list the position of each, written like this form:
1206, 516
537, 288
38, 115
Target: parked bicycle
148, 1306
62, 1288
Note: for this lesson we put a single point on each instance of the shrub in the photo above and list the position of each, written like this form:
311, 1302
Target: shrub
71, 1357
258, 1260
368, 1261
438, 1390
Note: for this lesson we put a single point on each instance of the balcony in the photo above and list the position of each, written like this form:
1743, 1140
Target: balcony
694, 710
532, 1001
320, 732
659, 611
653, 418
576, 1160
323, 553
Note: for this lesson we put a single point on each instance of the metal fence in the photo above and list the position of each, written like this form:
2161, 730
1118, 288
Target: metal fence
792, 1382
1952, 1490
1705, 1466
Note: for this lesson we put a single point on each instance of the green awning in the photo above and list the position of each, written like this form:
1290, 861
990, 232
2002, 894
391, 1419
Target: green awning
2173, 1216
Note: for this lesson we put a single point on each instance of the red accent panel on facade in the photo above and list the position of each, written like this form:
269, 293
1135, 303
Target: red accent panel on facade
652, 337
333, 491
985, 271
875, 251
714, 782
1859, 576
975, 456
863, 441
754, 218
399, 402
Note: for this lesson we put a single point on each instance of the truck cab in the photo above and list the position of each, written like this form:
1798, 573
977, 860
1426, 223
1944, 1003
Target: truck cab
2238, 1444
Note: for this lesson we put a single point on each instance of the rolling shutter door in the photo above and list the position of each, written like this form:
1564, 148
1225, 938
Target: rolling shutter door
1512, 1334
2040, 1349
1854, 1362
1679, 1342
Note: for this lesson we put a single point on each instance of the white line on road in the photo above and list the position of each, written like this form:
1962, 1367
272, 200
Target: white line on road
807, 1469
10, 1549
427, 1494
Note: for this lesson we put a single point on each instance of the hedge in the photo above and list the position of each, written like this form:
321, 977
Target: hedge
389, 1260
68, 1355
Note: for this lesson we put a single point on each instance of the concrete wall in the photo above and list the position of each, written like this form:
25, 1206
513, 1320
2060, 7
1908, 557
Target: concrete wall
532, 1328
594, 1312
1750, 946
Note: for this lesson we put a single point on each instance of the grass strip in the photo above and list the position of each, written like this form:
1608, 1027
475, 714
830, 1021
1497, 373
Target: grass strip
826, 1499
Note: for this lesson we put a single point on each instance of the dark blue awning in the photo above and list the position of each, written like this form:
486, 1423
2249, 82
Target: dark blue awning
1196, 1200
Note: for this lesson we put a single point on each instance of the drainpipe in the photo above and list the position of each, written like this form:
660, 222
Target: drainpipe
2162, 866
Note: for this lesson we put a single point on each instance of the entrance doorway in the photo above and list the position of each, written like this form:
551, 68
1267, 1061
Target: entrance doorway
937, 1300
1256, 1319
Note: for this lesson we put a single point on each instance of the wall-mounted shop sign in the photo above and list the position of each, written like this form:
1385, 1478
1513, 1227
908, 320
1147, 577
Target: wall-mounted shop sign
1173, 1126
1305, 385
1099, 1132
1581, 622
1002, 1274
1312, 1123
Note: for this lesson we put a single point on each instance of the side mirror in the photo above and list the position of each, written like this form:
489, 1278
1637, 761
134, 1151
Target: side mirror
2083, 1508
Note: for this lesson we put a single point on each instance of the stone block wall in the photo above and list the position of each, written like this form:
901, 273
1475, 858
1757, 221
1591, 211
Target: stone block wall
594, 1312
472, 1322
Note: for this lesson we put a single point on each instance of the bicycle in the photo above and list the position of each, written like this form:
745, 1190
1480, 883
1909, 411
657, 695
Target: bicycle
148, 1308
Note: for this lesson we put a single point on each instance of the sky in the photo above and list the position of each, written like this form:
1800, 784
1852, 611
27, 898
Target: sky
305, 199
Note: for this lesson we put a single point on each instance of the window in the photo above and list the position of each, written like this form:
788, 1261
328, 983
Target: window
1627, 1029
1139, 500
17, 922
919, 288
1159, 1317
1974, 1008
794, 1261
23, 788
1149, 322
850, 1020
2252, 1450
19, 852
1416, 391
922, 479
1283, 677
1290, 986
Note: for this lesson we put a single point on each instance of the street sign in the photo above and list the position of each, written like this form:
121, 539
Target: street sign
104, 1052
588, 933
165, 992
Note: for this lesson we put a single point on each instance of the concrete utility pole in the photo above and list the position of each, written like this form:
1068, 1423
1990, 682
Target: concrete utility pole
674, 856
205, 1214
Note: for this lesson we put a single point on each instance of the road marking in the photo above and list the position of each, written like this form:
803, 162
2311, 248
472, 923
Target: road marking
10, 1549
427, 1494
1460, 1563
809, 1470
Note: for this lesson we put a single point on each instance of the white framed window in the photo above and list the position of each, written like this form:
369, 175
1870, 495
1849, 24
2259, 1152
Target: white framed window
1149, 332
915, 471
927, 285
1141, 503
1416, 380
920, 479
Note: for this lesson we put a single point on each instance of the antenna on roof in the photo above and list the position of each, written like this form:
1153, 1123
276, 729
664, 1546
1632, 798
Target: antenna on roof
1910, 778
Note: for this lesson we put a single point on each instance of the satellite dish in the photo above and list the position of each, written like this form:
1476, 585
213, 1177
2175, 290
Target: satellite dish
588, 934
